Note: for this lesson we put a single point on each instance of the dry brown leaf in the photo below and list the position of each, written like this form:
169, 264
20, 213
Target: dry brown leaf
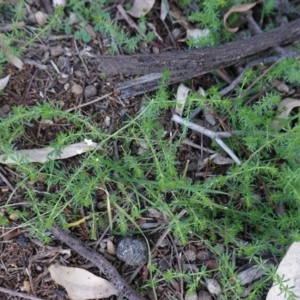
44, 154
4, 82
237, 8
140, 8
11, 58
81, 284
285, 107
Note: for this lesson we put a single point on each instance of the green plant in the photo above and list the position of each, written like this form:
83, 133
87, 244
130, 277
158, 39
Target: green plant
216, 210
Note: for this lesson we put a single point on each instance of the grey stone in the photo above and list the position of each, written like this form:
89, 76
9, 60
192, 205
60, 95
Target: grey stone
190, 255
132, 250
203, 295
213, 286
191, 297
289, 269
4, 110
90, 91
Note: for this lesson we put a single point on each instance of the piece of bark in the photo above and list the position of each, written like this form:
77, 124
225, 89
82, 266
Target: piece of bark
138, 85
188, 64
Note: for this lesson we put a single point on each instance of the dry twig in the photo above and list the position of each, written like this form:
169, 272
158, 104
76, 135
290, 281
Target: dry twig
89, 103
17, 294
213, 135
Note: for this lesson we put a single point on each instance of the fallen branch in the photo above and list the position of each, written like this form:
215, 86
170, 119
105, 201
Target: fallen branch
100, 262
211, 134
188, 64
17, 294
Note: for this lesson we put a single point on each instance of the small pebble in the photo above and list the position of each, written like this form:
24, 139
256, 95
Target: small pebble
78, 73
22, 240
213, 286
203, 255
189, 255
176, 33
155, 50
90, 91
76, 89
5, 108
210, 263
203, 295
191, 297
56, 51
132, 250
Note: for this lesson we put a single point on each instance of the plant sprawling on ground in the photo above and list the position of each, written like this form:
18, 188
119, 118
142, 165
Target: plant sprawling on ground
218, 208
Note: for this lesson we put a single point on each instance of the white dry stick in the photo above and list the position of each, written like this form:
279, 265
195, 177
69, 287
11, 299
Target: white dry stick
89, 103
228, 150
213, 135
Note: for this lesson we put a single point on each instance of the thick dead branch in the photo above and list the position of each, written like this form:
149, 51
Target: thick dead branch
188, 64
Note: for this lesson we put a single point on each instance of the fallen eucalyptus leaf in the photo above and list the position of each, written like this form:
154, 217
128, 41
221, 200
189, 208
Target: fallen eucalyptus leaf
81, 284
237, 8
44, 154
140, 8
4, 82
284, 108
